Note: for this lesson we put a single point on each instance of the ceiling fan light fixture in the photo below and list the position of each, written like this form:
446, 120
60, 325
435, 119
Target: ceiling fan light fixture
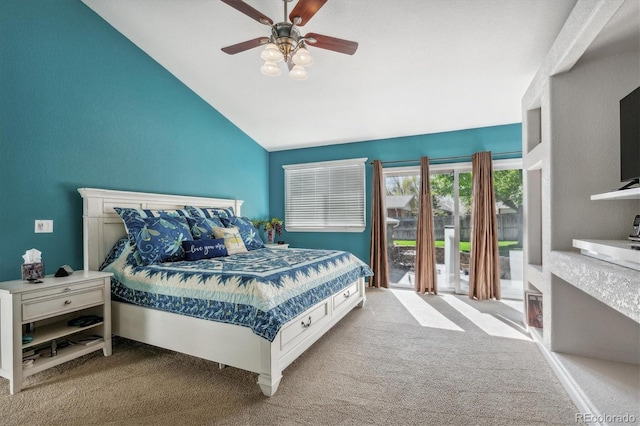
298, 73
272, 53
286, 43
302, 57
270, 69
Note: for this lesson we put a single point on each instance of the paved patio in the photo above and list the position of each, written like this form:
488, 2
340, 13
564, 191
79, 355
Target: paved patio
401, 276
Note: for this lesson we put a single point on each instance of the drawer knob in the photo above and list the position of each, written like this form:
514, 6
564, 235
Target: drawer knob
67, 302
67, 289
306, 324
347, 294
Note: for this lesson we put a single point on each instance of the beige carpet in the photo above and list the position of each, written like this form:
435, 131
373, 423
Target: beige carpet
378, 366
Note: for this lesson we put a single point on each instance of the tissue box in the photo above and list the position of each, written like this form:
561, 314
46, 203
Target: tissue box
32, 271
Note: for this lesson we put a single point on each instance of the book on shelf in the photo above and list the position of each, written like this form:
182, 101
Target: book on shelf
534, 308
30, 354
88, 340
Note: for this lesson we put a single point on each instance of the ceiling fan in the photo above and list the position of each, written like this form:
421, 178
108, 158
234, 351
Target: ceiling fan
286, 43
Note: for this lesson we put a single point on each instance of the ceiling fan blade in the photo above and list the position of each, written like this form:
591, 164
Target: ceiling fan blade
305, 9
245, 45
249, 11
331, 43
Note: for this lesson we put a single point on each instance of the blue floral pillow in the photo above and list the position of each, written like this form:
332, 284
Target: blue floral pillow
248, 232
158, 239
202, 227
116, 251
210, 213
204, 249
133, 218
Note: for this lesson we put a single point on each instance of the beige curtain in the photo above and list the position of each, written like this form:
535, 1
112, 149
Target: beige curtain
426, 275
484, 275
378, 247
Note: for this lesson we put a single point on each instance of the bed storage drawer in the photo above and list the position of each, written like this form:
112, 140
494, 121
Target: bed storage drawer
69, 302
305, 324
341, 299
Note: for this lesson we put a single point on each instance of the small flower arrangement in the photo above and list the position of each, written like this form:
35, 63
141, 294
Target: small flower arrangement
272, 226
275, 224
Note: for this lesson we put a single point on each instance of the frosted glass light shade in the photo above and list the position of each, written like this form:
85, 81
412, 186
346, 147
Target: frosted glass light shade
298, 73
302, 57
271, 53
270, 69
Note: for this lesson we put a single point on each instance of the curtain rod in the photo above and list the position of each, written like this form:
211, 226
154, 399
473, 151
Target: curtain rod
442, 159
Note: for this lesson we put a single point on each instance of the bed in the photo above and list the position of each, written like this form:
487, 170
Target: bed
265, 350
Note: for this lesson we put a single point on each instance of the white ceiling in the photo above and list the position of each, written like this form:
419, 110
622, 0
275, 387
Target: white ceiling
422, 66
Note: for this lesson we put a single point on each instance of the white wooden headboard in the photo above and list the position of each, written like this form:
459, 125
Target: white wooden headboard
102, 227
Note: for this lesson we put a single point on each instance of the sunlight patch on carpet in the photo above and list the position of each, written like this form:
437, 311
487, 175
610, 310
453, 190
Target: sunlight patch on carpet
518, 305
487, 323
425, 314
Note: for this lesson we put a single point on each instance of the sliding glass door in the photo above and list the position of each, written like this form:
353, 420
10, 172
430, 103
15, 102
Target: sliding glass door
508, 190
452, 197
402, 201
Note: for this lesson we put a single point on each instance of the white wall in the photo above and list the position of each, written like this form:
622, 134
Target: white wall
585, 142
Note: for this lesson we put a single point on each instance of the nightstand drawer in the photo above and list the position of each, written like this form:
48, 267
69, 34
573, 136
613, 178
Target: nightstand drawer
68, 289
65, 303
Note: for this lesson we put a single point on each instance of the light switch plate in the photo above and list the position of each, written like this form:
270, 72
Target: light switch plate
43, 226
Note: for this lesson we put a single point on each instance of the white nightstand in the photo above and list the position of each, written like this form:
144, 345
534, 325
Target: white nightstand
277, 246
46, 307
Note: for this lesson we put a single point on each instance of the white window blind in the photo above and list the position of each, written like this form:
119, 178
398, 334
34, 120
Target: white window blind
325, 196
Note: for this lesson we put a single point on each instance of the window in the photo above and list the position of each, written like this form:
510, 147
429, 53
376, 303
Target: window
324, 197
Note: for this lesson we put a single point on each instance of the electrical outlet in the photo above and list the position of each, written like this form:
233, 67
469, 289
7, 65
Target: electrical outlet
43, 226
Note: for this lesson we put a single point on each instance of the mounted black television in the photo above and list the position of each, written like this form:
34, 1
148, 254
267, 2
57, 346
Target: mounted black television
630, 139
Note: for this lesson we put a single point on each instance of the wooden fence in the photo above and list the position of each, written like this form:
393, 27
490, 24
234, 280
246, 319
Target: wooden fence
509, 227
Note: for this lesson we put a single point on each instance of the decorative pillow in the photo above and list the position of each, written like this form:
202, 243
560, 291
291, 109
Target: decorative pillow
160, 239
129, 257
204, 249
115, 251
202, 227
132, 218
232, 239
248, 232
210, 212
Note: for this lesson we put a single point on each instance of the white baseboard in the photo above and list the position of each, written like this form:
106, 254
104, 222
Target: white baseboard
577, 395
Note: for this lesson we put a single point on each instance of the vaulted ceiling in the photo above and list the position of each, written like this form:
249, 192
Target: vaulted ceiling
422, 66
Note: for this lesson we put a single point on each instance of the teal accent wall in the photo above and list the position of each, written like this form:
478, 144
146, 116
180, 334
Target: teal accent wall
82, 106
506, 138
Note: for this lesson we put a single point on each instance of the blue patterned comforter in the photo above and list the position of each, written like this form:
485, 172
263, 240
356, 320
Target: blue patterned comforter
262, 289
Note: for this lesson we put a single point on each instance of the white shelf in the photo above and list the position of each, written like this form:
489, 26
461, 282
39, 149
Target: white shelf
535, 158
614, 251
625, 194
56, 330
614, 285
593, 383
535, 276
65, 354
